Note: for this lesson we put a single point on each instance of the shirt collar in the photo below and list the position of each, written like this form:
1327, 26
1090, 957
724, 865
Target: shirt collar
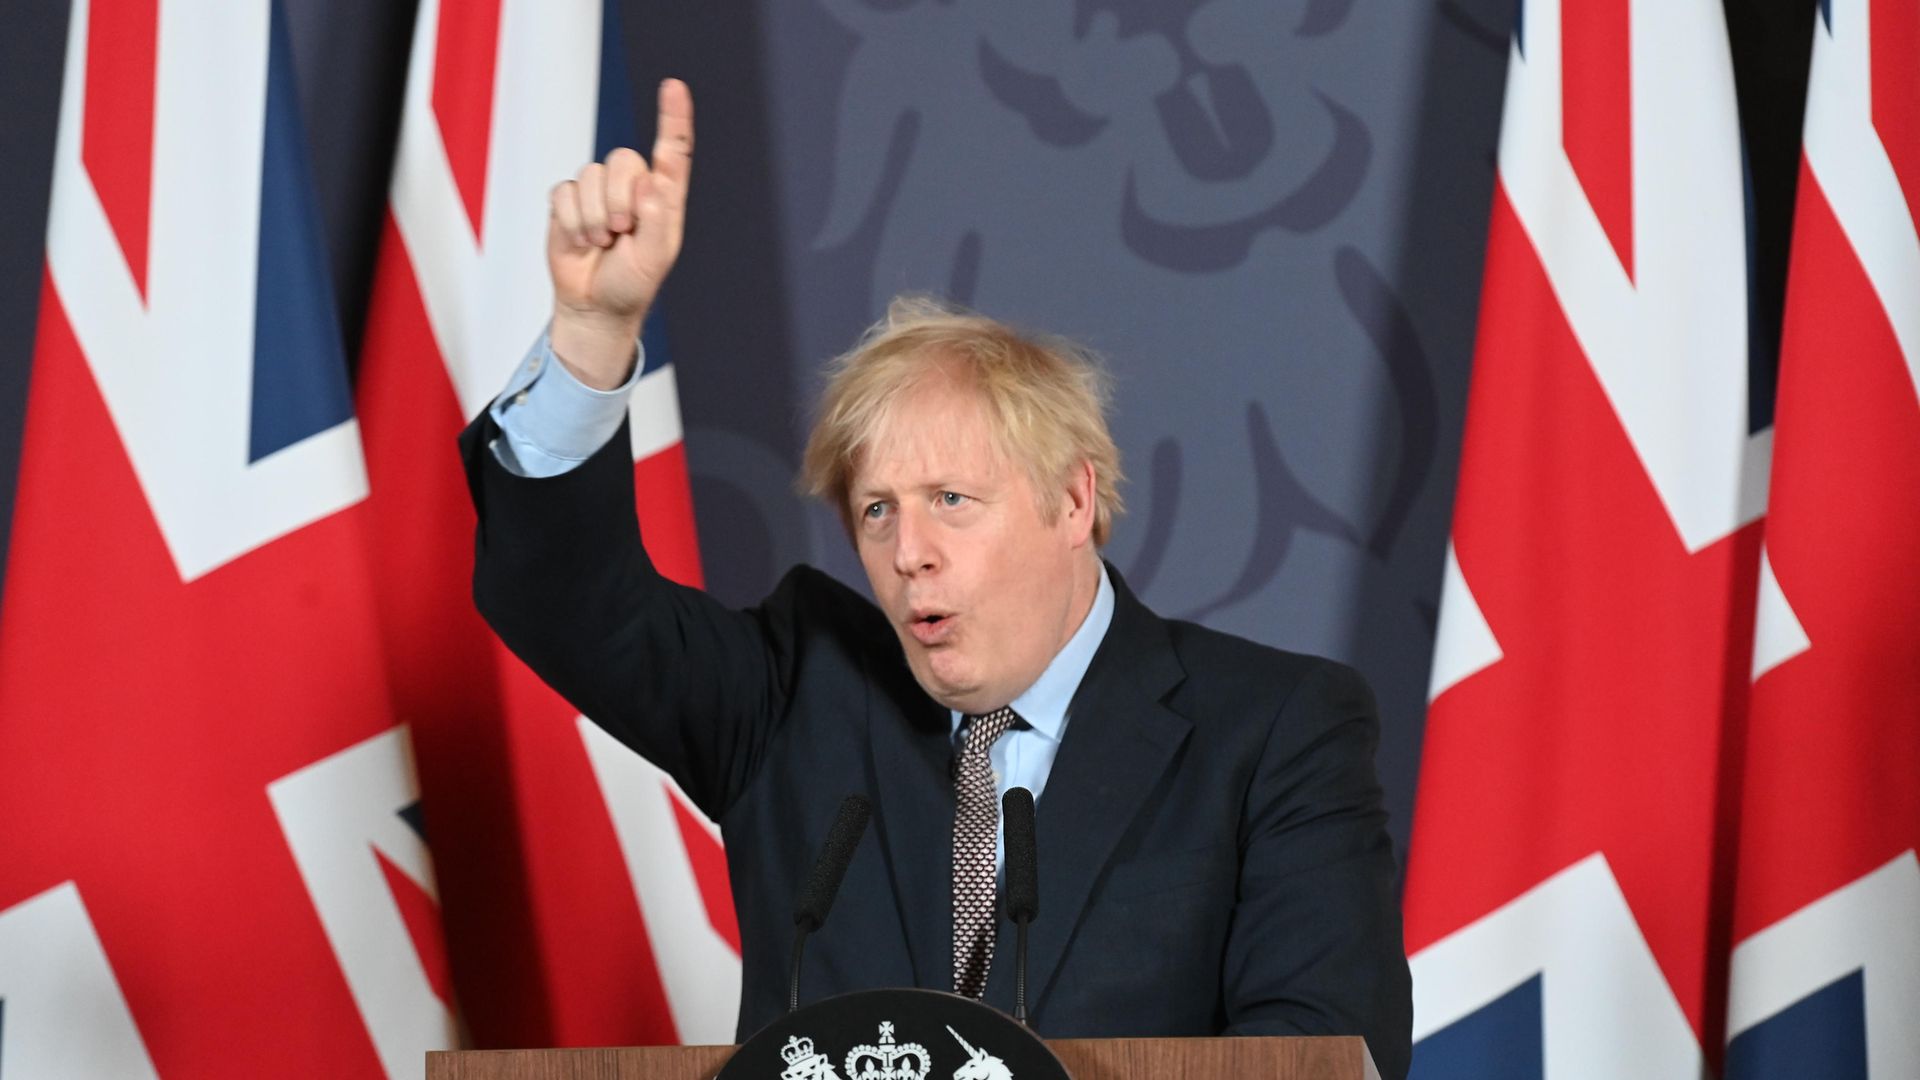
1044, 704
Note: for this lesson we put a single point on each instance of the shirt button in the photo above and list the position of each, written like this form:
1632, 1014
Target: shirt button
520, 398
533, 363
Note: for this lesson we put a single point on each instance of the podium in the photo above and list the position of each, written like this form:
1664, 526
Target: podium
1291, 1058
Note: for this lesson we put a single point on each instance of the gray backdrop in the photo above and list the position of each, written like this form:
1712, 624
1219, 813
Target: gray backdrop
1268, 216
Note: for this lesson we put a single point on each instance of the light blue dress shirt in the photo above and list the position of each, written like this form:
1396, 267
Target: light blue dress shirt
550, 422
1023, 757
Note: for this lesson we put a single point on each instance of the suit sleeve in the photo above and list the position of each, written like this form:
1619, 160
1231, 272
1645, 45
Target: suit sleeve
1315, 946
561, 575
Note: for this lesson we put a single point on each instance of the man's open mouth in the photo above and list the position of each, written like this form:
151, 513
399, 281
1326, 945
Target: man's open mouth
931, 627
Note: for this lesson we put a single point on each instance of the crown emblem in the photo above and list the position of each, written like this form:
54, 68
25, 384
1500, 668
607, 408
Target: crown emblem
889, 1060
803, 1063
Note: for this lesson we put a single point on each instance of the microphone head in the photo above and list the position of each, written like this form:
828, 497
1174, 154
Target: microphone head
823, 884
1023, 870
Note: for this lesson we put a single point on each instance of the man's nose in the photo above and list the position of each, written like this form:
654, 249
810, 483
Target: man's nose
915, 547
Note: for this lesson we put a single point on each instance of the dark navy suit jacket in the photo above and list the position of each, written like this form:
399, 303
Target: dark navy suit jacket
1212, 850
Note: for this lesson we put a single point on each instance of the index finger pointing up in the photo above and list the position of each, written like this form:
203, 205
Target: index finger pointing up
673, 139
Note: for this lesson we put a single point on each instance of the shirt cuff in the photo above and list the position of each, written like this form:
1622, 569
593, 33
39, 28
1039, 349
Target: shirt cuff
550, 421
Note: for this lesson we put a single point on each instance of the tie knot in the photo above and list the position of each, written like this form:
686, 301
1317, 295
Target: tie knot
983, 730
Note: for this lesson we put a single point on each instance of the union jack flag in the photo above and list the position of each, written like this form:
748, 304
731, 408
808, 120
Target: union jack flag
587, 900
1826, 922
212, 860
1567, 887
223, 651
1667, 816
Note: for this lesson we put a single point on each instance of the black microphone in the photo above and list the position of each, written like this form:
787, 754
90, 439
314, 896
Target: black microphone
816, 896
1023, 884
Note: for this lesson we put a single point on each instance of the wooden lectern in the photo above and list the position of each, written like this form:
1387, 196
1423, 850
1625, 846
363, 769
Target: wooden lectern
1330, 1058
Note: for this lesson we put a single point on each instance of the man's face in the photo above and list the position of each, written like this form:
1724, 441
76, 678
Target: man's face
981, 587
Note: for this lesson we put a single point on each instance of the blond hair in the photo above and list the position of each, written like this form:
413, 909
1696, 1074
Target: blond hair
1045, 399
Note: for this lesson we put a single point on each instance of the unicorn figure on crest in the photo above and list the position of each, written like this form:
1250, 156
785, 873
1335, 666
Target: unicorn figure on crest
979, 1065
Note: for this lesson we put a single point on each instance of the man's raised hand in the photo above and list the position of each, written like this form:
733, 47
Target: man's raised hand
612, 237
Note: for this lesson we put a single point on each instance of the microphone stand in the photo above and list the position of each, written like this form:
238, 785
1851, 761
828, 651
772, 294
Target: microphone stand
799, 948
1020, 971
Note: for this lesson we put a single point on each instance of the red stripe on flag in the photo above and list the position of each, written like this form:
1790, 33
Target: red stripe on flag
1596, 90
439, 659
606, 988
1896, 90
468, 43
709, 863
422, 916
116, 135
1834, 740
664, 496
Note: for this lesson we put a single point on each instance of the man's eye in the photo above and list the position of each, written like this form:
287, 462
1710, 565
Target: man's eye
874, 511
952, 498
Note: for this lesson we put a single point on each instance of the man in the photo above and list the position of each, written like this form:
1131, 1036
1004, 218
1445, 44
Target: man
1211, 844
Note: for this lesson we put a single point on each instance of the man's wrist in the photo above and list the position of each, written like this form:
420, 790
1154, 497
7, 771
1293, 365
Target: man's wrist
599, 350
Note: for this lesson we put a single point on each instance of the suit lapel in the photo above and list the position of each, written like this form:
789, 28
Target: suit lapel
911, 742
1118, 743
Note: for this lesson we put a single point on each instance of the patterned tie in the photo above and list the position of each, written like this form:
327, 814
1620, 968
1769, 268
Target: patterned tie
976, 818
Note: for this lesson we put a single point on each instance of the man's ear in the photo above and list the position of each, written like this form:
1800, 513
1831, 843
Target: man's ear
1078, 504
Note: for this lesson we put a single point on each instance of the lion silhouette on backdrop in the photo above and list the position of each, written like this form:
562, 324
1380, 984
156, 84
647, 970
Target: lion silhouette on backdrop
1162, 180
